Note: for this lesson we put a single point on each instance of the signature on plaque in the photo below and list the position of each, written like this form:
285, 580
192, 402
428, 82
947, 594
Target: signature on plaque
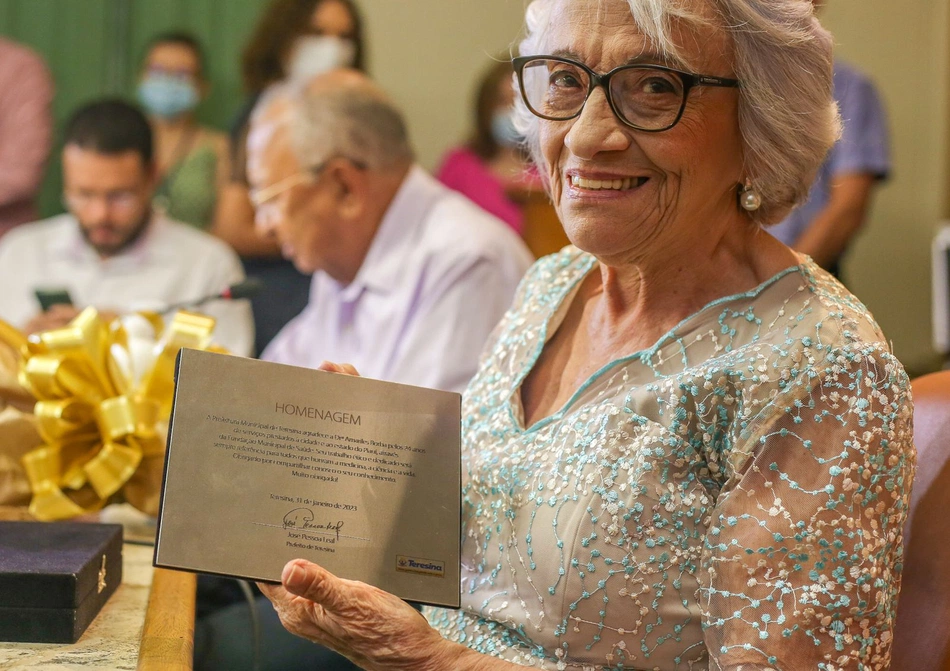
303, 518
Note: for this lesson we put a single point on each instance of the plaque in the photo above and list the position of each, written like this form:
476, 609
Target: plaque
266, 463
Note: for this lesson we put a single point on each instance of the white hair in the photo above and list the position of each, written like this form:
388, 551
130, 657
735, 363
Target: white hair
355, 123
783, 59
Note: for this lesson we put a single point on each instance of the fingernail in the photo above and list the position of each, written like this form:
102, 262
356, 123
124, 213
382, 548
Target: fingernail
291, 576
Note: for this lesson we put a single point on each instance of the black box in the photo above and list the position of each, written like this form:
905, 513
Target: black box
55, 577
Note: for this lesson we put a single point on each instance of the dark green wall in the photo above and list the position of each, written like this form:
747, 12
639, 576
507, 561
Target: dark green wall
94, 47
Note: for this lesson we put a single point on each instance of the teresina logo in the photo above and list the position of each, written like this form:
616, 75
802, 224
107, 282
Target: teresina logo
417, 565
317, 413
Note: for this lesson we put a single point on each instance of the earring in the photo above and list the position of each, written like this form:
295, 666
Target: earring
749, 198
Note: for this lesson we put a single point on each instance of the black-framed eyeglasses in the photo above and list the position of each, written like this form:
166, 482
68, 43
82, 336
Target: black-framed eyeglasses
646, 97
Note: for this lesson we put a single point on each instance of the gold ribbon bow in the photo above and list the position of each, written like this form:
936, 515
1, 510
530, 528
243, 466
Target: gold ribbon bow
96, 421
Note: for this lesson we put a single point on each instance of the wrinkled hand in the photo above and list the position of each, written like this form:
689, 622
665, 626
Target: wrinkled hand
56, 317
373, 628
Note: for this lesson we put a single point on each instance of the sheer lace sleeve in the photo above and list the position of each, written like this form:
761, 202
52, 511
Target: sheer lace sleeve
801, 565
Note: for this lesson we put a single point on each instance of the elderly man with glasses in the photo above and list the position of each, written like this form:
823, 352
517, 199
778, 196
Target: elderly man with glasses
409, 277
111, 250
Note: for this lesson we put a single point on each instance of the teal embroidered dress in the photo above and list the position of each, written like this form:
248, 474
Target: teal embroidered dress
732, 497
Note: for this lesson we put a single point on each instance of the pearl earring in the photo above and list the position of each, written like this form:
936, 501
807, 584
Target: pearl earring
749, 198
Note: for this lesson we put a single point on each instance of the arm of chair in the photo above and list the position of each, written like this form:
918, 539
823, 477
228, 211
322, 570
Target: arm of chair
922, 633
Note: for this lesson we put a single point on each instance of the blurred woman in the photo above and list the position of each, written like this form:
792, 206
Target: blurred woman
193, 163
490, 168
294, 39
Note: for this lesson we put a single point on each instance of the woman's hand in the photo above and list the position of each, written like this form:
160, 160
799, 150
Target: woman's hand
373, 628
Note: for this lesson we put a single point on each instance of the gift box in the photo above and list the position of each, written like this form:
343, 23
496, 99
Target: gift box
55, 577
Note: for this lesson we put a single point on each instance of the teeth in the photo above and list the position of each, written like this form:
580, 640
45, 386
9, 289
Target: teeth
600, 184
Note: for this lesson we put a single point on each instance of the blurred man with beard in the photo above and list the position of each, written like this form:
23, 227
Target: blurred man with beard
111, 250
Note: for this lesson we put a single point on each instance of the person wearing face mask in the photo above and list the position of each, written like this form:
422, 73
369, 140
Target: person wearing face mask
192, 160
491, 166
294, 39
312, 55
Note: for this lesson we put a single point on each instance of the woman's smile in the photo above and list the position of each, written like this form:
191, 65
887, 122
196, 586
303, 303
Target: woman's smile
587, 184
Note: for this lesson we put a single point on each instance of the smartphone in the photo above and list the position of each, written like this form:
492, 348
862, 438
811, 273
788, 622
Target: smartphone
50, 297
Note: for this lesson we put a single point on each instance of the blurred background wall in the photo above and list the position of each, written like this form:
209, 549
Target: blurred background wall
905, 47
428, 54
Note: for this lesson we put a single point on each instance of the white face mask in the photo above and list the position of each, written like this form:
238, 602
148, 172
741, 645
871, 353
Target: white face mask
315, 54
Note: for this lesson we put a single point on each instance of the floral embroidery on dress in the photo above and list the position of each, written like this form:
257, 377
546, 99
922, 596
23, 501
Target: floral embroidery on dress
734, 495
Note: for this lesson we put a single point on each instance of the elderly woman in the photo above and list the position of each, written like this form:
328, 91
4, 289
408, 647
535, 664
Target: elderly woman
686, 446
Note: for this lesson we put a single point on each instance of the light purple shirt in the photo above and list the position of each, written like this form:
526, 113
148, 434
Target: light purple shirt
438, 276
863, 148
